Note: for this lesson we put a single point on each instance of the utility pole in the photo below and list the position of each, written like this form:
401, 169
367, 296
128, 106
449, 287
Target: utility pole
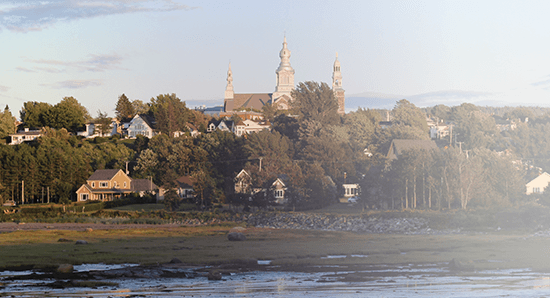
260, 164
460, 146
450, 135
22, 191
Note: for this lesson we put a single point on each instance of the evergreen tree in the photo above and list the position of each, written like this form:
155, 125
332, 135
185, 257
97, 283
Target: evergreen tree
7, 123
124, 109
170, 113
316, 101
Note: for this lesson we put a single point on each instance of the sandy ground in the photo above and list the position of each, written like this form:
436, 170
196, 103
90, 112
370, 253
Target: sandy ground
10, 226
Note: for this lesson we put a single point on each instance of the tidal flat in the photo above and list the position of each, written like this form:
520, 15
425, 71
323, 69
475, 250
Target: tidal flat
291, 249
167, 260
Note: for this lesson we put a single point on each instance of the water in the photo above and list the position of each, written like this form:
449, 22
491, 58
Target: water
428, 280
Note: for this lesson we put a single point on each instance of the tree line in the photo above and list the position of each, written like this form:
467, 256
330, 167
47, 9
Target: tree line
312, 148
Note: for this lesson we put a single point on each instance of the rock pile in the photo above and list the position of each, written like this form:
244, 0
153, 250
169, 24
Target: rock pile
340, 223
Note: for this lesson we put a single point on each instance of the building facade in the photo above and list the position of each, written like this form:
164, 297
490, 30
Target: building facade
282, 96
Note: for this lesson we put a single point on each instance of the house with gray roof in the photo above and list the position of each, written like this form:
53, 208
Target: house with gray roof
141, 124
110, 184
398, 146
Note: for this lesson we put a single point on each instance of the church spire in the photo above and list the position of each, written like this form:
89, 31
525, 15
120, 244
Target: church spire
337, 86
336, 74
229, 87
285, 74
229, 95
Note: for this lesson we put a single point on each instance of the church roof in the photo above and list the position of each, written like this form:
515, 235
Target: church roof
251, 100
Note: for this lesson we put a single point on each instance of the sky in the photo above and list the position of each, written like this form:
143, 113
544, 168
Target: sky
428, 52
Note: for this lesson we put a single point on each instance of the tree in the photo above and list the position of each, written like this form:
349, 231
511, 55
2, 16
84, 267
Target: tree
68, 114
406, 113
103, 123
170, 113
124, 109
33, 114
7, 123
361, 127
269, 112
140, 107
315, 101
442, 112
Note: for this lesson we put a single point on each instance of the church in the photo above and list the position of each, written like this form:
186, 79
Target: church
282, 97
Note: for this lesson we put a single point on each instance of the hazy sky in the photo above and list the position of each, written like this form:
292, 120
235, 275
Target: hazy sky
426, 51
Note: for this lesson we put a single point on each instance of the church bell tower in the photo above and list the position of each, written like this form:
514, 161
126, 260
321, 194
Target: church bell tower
337, 86
229, 94
285, 75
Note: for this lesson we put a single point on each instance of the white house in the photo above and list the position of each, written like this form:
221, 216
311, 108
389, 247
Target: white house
92, 130
141, 125
243, 185
538, 184
351, 189
255, 126
185, 187
24, 136
223, 125
278, 187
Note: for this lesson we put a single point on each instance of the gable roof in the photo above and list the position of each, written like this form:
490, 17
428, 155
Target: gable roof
242, 173
107, 174
185, 181
398, 146
150, 121
251, 100
143, 185
544, 177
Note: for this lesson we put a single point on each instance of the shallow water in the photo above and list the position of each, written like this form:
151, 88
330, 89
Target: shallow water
429, 280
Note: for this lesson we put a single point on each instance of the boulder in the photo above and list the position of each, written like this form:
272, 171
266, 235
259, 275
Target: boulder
214, 275
81, 242
235, 236
460, 264
64, 240
175, 261
65, 268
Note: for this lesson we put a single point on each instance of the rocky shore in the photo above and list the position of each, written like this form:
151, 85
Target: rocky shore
408, 226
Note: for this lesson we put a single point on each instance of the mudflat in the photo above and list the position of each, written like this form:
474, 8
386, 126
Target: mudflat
48, 245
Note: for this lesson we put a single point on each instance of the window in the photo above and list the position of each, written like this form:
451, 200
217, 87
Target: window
124, 184
93, 184
84, 197
104, 184
536, 189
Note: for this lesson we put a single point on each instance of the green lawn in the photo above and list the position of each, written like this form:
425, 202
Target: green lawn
140, 207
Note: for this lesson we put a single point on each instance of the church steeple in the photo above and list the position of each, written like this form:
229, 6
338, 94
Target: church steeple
285, 74
337, 86
229, 95
229, 87
336, 74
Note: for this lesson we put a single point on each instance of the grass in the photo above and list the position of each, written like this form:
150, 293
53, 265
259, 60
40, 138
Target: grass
140, 207
209, 245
